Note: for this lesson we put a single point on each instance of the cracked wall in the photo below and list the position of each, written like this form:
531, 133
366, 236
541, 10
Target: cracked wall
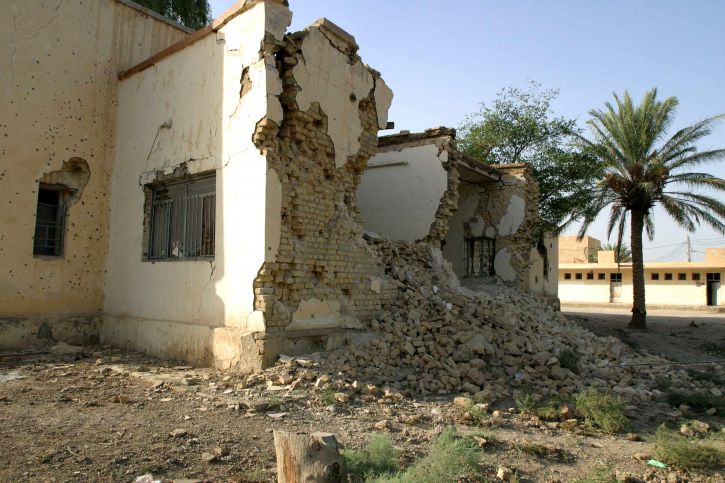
57, 105
505, 210
324, 277
195, 112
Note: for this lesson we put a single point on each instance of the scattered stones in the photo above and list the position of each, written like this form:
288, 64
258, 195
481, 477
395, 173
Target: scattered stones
504, 473
178, 433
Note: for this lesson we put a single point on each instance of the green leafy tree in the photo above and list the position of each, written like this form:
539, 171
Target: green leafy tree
643, 169
622, 253
194, 14
520, 126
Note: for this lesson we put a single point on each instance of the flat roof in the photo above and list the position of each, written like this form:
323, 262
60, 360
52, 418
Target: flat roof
647, 266
239, 7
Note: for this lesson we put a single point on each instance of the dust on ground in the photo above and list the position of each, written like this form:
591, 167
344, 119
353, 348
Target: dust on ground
107, 415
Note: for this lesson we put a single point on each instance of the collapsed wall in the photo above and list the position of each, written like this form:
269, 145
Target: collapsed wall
436, 338
323, 278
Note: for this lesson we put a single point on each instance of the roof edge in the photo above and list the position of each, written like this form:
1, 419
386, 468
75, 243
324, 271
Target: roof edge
153, 14
239, 7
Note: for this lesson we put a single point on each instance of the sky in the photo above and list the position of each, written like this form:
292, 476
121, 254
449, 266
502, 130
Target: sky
442, 59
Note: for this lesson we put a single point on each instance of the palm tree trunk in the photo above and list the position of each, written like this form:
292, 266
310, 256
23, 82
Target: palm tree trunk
639, 311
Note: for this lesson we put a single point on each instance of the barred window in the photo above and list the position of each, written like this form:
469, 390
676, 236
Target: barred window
182, 220
478, 257
50, 220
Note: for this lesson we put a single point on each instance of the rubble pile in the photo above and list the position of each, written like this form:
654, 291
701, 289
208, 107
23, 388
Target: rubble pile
437, 338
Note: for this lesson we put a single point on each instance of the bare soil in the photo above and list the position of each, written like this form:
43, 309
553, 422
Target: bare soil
107, 415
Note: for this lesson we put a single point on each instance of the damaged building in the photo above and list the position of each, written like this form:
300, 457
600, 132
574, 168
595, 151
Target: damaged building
201, 195
484, 217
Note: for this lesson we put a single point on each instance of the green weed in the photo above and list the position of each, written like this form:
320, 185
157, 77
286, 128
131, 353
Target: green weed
676, 450
602, 410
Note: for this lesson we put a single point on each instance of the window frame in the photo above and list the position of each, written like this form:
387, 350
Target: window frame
64, 193
615, 277
179, 210
696, 277
601, 276
655, 276
681, 276
668, 276
567, 276
469, 249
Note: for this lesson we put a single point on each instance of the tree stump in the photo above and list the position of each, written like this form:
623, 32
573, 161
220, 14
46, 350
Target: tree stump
305, 458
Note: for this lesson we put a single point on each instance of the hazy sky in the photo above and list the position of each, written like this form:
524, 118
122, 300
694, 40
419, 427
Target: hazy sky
444, 58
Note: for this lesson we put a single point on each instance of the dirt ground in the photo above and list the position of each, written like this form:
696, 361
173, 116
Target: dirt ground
107, 415
682, 336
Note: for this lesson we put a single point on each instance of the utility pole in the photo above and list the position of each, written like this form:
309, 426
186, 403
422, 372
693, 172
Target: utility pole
689, 249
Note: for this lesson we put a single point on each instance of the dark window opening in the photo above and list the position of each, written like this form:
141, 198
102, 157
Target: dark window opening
567, 276
681, 276
182, 220
479, 254
50, 221
578, 276
668, 276
602, 276
590, 276
713, 277
696, 276
655, 276
615, 277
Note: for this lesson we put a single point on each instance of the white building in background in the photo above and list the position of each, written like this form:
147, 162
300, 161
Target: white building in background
695, 284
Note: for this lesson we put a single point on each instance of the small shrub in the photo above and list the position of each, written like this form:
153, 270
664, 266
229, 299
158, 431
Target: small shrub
379, 457
602, 410
547, 412
327, 396
604, 474
569, 360
451, 458
525, 404
478, 415
676, 450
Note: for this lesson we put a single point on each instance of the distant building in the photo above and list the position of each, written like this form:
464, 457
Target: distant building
572, 250
667, 283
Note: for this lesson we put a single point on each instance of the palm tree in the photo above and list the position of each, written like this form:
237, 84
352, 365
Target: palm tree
644, 169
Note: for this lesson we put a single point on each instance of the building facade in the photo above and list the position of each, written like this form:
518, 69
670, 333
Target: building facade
668, 284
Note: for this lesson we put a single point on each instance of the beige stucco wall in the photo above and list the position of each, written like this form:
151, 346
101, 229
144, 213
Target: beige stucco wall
188, 112
572, 250
543, 274
658, 292
400, 201
57, 100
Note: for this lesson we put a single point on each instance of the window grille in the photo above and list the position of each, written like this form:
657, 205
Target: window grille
615, 277
478, 257
183, 218
49, 221
713, 277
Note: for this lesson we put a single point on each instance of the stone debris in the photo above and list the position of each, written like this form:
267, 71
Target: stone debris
437, 338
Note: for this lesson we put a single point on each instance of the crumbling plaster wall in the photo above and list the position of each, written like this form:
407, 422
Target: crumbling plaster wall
402, 189
195, 112
57, 104
323, 277
507, 211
